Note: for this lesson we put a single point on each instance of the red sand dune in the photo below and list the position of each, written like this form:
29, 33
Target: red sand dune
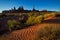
28, 33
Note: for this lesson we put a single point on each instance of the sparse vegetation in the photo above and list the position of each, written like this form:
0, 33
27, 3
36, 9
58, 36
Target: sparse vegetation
12, 24
25, 19
48, 15
48, 33
34, 19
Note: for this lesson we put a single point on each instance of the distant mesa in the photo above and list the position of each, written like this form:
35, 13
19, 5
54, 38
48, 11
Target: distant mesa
22, 10
19, 10
44, 11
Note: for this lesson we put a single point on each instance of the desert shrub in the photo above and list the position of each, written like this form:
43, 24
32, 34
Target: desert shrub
53, 14
48, 15
34, 20
30, 20
38, 19
48, 33
11, 24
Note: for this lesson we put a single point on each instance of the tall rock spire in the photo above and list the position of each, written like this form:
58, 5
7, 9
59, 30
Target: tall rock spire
14, 8
33, 8
21, 8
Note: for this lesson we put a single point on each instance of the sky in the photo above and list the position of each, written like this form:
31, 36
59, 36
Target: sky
53, 5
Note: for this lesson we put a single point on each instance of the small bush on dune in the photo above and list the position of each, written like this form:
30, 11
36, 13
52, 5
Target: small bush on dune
48, 33
11, 24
